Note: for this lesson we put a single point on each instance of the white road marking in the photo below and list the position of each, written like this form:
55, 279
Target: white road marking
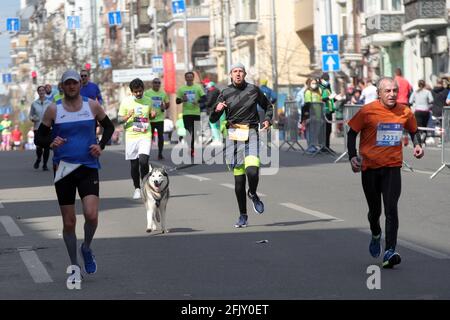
314, 213
231, 186
10, 226
199, 178
34, 266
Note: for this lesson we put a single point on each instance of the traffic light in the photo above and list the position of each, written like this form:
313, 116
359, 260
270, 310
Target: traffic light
34, 77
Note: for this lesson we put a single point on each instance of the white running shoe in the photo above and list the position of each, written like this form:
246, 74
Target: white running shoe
137, 194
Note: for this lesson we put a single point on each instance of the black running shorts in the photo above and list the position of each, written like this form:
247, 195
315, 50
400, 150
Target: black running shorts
84, 179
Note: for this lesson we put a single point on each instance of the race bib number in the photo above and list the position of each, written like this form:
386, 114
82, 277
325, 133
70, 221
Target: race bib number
157, 103
238, 132
389, 134
140, 124
190, 97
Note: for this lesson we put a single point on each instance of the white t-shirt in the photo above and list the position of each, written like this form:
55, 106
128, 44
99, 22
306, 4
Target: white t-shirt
369, 94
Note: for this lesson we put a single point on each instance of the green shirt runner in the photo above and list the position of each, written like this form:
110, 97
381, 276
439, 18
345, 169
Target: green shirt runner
158, 98
193, 94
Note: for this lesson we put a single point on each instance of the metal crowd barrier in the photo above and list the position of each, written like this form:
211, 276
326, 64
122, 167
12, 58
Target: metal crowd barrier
445, 141
349, 111
290, 126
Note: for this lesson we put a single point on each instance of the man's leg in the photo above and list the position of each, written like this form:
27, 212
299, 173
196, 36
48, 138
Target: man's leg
239, 190
189, 126
46, 156
391, 188
143, 165
134, 169
88, 190
372, 190
69, 235
160, 126
65, 192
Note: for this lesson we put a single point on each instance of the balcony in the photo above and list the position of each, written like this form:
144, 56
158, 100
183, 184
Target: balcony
246, 28
383, 29
425, 14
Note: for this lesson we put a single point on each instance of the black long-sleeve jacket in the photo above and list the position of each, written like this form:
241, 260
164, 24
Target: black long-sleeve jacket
242, 104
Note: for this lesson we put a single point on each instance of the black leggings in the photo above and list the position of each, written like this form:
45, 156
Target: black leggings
252, 174
136, 164
189, 122
384, 182
40, 151
422, 118
329, 117
160, 127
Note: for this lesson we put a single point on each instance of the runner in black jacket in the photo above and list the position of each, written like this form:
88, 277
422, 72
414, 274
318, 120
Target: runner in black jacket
239, 102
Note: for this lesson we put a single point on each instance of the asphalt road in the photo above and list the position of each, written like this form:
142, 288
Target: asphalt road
315, 226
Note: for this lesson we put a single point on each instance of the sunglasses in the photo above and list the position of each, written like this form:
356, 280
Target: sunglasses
156, 82
84, 76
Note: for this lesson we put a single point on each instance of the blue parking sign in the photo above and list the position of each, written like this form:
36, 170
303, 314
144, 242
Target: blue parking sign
114, 18
178, 6
73, 22
12, 24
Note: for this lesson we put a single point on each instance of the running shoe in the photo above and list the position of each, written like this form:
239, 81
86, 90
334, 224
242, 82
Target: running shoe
390, 259
375, 246
258, 205
90, 266
137, 194
242, 222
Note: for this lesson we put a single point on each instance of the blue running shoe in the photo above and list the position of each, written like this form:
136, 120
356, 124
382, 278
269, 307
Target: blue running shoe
90, 266
375, 246
258, 206
390, 259
242, 222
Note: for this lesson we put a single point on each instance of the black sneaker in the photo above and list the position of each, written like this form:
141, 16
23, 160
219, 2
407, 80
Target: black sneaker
44, 167
258, 205
36, 164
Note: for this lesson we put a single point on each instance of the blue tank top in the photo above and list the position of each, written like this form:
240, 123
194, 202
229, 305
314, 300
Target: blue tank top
79, 129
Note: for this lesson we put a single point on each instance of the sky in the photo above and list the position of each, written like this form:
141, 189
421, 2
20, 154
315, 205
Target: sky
9, 9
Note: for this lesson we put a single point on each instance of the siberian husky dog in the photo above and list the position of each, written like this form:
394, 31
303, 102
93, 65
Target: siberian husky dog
155, 193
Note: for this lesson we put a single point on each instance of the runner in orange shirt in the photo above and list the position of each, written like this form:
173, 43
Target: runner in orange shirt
381, 124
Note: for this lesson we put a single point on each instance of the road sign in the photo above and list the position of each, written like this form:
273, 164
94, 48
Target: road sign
126, 75
114, 18
157, 64
105, 63
73, 22
6, 78
12, 24
330, 43
331, 62
178, 6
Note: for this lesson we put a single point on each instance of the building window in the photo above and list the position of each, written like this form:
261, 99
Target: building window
247, 9
388, 6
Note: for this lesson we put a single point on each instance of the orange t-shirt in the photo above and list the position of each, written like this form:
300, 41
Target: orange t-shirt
380, 143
